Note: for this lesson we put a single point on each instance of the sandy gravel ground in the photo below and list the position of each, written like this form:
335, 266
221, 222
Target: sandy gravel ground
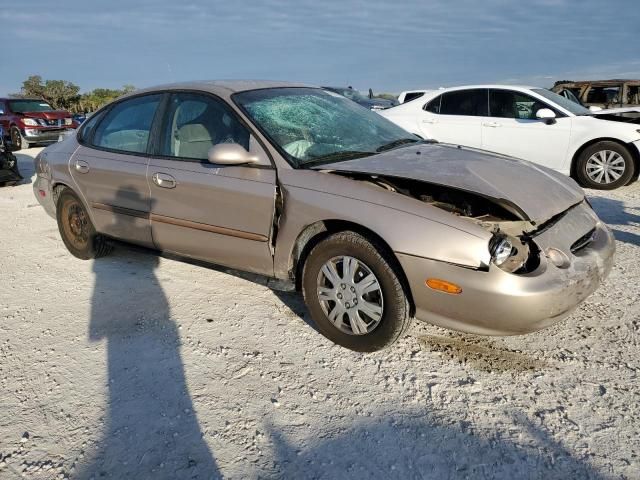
139, 367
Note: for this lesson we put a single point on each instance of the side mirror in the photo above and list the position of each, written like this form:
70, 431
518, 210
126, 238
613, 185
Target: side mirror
546, 114
230, 154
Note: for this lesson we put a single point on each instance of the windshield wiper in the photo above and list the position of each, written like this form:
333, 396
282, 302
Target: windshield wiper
336, 157
397, 143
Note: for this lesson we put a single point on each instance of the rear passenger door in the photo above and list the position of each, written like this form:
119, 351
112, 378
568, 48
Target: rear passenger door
221, 214
456, 117
110, 168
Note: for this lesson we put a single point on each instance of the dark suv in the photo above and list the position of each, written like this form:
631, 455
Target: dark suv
29, 121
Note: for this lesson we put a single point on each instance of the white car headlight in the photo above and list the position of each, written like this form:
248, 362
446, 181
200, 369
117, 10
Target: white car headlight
30, 121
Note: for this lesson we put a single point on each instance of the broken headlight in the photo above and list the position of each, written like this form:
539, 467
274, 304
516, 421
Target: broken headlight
508, 253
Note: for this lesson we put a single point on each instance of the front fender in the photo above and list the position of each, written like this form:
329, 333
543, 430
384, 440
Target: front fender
406, 232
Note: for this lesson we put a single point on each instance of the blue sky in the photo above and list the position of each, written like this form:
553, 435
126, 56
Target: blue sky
389, 46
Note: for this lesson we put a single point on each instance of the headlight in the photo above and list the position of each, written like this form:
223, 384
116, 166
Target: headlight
30, 122
501, 251
510, 254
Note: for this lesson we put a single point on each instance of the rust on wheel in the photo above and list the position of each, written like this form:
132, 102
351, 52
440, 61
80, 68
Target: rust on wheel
75, 223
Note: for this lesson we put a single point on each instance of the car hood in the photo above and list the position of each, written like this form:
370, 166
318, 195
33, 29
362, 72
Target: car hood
48, 115
532, 192
609, 111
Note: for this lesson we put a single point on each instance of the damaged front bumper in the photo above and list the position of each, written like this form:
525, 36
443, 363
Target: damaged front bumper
495, 302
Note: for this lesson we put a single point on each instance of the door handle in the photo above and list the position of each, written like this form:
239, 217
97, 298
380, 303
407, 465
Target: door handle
429, 120
82, 166
163, 180
491, 124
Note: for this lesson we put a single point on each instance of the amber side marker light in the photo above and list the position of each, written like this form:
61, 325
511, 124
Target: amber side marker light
443, 286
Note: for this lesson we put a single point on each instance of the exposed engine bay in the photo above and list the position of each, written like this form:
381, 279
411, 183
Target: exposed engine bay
499, 220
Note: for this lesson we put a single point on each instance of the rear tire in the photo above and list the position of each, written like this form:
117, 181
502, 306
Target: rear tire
386, 300
76, 229
604, 166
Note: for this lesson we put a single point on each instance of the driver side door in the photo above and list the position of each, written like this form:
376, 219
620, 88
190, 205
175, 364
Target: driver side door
217, 213
512, 128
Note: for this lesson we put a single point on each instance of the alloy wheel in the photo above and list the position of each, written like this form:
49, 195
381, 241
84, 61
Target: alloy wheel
350, 295
605, 166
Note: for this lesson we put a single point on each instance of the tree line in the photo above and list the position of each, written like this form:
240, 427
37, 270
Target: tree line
65, 95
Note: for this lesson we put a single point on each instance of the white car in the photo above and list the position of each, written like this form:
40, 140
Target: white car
531, 123
409, 95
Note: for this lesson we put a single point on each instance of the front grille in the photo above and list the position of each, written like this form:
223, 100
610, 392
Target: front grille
44, 122
583, 241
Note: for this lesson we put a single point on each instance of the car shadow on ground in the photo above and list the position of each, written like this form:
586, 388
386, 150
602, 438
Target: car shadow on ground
416, 444
151, 431
614, 213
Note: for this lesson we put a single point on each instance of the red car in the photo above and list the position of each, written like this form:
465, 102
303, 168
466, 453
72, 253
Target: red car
29, 121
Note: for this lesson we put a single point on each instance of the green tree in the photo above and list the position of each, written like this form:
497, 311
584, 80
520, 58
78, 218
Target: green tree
62, 94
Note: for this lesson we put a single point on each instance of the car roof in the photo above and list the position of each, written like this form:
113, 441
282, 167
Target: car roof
498, 86
432, 93
223, 88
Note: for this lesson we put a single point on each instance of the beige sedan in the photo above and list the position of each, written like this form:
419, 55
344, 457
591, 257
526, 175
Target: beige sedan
374, 225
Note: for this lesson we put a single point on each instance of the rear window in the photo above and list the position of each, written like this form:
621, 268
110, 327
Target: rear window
412, 96
472, 103
22, 106
434, 105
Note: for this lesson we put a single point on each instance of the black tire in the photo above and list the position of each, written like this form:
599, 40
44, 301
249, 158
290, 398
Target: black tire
18, 140
76, 229
604, 146
396, 317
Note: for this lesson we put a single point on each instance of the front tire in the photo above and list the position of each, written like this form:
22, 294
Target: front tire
604, 166
76, 229
354, 294
18, 140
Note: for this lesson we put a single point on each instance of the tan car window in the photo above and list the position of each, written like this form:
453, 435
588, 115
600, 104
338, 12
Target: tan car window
198, 122
126, 127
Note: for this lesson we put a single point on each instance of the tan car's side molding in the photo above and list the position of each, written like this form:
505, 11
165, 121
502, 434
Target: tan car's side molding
182, 223
120, 210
